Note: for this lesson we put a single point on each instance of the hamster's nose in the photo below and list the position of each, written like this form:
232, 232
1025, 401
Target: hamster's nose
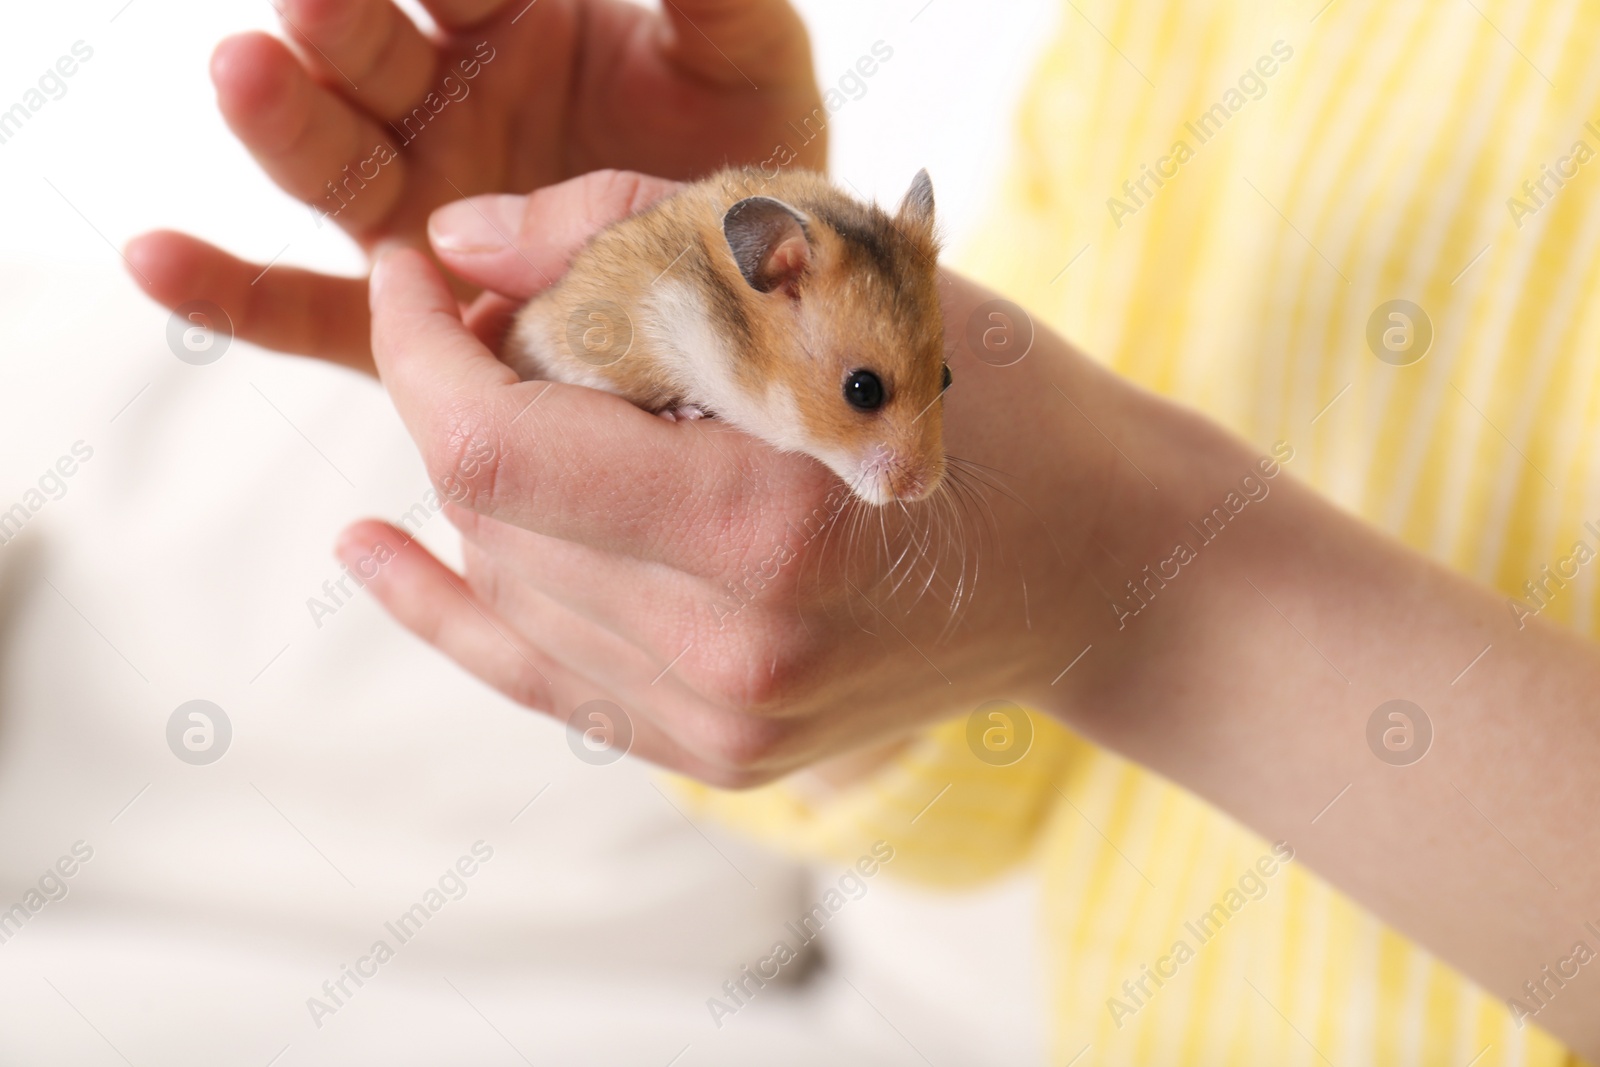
908, 485
912, 483
890, 474
914, 479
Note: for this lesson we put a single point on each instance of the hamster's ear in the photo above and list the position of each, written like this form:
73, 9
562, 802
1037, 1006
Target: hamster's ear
916, 207
769, 243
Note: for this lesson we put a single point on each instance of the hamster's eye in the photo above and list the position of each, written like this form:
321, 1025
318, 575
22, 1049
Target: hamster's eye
863, 390
947, 378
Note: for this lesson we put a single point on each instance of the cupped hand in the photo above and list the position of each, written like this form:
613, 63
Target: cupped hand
374, 122
746, 614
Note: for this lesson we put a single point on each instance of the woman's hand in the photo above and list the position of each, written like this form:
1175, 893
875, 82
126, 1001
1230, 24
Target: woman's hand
506, 96
1141, 575
746, 613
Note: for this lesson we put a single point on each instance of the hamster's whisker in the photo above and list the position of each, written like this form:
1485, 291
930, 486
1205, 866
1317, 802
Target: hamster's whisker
845, 518
989, 478
895, 577
963, 497
851, 504
995, 479
944, 536
973, 482
883, 532
972, 464
925, 410
918, 534
925, 526
912, 542
859, 517
926, 529
969, 480
939, 511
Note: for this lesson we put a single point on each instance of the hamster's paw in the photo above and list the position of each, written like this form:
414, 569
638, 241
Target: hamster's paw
686, 412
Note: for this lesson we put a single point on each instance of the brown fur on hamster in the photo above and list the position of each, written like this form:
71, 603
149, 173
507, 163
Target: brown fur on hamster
780, 305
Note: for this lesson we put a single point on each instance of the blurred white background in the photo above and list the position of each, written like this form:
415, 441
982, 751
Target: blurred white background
177, 566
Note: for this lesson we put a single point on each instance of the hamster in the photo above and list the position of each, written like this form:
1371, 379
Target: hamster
780, 305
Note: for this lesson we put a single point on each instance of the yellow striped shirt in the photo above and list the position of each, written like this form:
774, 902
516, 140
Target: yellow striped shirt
1217, 198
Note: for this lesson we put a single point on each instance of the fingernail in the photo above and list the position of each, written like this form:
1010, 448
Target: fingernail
141, 258
381, 265
348, 546
476, 226
358, 546
375, 280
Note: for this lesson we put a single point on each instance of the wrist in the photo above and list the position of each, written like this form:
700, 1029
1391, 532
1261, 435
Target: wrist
1163, 538
1070, 456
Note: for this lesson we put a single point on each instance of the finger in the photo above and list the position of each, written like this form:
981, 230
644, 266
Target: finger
489, 317
557, 459
431, 601
455, 14
366, 50
310, 141
282, 308
602, 587
741, 44
437, 605
710, 739
518, 245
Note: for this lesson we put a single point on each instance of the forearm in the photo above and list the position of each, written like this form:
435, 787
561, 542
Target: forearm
1246, 665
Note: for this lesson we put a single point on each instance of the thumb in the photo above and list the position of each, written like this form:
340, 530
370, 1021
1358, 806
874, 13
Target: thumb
519, 245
